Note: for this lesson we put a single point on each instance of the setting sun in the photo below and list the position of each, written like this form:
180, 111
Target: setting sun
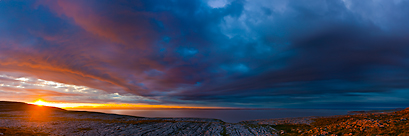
63, 105
40, 102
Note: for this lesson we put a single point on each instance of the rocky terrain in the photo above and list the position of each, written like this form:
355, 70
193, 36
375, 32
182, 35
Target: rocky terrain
368, 123
24, 119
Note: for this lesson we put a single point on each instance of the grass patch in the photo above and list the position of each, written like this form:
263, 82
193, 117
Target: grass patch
224, 132
84, 129
291, 129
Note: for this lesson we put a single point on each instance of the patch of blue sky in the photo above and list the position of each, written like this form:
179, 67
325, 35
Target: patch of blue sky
166, 39
217, 3
198, 84
187, 52
236, 68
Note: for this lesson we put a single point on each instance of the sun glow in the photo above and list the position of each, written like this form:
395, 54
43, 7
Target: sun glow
40, 102
65, 105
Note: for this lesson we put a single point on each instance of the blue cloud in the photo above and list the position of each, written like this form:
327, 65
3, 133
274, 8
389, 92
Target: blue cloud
259, 53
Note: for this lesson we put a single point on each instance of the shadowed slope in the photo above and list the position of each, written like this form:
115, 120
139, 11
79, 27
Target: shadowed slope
20, 106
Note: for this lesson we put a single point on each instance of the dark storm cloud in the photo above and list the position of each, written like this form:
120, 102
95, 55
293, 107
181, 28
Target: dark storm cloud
240, 53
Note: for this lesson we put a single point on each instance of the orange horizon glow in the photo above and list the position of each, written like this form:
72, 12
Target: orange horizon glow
65, 105
39, 102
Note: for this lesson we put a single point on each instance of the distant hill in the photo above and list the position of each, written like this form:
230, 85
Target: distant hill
20, 106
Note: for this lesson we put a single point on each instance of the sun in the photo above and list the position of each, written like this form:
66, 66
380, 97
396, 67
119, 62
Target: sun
40, 102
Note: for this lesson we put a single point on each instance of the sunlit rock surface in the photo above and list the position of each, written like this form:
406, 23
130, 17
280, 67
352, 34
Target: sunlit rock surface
387, 123
24, 119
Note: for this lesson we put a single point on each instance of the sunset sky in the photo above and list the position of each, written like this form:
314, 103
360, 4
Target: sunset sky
206, 53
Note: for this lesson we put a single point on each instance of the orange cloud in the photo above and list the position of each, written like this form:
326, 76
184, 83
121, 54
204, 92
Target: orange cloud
117, 22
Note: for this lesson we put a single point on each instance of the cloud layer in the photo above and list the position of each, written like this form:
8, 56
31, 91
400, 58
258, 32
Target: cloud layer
232, 53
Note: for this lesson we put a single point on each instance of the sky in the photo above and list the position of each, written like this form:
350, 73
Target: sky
207, 53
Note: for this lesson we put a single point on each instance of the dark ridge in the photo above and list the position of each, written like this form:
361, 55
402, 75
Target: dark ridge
101, 113
375, 111
20, 106
404, 111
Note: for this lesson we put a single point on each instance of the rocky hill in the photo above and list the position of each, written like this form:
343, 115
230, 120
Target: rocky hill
19, 106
